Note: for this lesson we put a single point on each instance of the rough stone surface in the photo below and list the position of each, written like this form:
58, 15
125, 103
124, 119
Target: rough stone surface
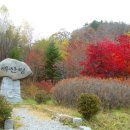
84, 128
11, 89
64, 117
14, 69
8, 125
77, 120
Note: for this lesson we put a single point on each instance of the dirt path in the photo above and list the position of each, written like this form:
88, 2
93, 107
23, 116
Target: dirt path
34, 121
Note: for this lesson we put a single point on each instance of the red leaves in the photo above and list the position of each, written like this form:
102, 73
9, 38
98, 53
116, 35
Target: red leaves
45, 85
35, 58
124, 39
108, 59
36, 62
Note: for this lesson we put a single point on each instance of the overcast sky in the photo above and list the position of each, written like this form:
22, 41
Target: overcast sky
49, 16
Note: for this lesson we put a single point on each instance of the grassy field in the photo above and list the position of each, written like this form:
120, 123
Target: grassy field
108, 120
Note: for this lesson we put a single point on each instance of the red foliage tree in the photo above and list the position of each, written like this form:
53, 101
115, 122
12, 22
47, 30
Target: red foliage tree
35, 61
108, 59
124, 39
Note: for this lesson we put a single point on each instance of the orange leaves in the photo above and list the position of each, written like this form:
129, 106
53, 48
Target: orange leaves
74, 55
34, 58
36, 62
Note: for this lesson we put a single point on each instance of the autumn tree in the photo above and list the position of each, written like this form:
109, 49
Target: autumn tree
60, 36
44, 46
99, 30
12, 41
123, 39
36, 63
36, 59
108, 59
69, 66
61, 40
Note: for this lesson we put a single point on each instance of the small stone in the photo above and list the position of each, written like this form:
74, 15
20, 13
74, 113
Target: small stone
77, 120
8, 125
63, 117
84, 128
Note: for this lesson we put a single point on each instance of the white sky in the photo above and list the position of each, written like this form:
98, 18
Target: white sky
49, 16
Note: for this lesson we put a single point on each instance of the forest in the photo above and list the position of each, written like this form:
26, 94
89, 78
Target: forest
95, 46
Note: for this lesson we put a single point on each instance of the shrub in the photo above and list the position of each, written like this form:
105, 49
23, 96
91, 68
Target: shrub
45, 85
88, 105
29, 92
42, 98
112, 92
5, 110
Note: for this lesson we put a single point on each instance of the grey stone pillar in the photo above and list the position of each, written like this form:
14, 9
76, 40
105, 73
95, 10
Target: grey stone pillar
11, 89
8, 125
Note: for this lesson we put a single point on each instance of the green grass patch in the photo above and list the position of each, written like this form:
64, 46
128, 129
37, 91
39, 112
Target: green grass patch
25, 102
50, 102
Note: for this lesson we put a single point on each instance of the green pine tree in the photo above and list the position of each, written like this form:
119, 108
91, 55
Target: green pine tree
52, 55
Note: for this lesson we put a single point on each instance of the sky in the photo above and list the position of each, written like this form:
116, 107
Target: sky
49, 16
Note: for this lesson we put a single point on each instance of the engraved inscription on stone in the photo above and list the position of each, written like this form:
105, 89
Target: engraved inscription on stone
13, 69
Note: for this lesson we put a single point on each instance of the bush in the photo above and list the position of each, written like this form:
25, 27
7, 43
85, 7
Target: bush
45, 85
5, 110
41, 98
30, 91
112, 92
88, 105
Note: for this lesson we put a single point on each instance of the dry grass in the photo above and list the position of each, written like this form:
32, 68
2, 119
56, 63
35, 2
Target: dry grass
59, 109
41, 115
35, 111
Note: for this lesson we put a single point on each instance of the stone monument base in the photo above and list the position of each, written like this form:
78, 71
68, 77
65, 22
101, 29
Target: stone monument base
11, 90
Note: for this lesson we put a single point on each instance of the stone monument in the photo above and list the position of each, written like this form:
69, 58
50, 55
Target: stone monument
12, 71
